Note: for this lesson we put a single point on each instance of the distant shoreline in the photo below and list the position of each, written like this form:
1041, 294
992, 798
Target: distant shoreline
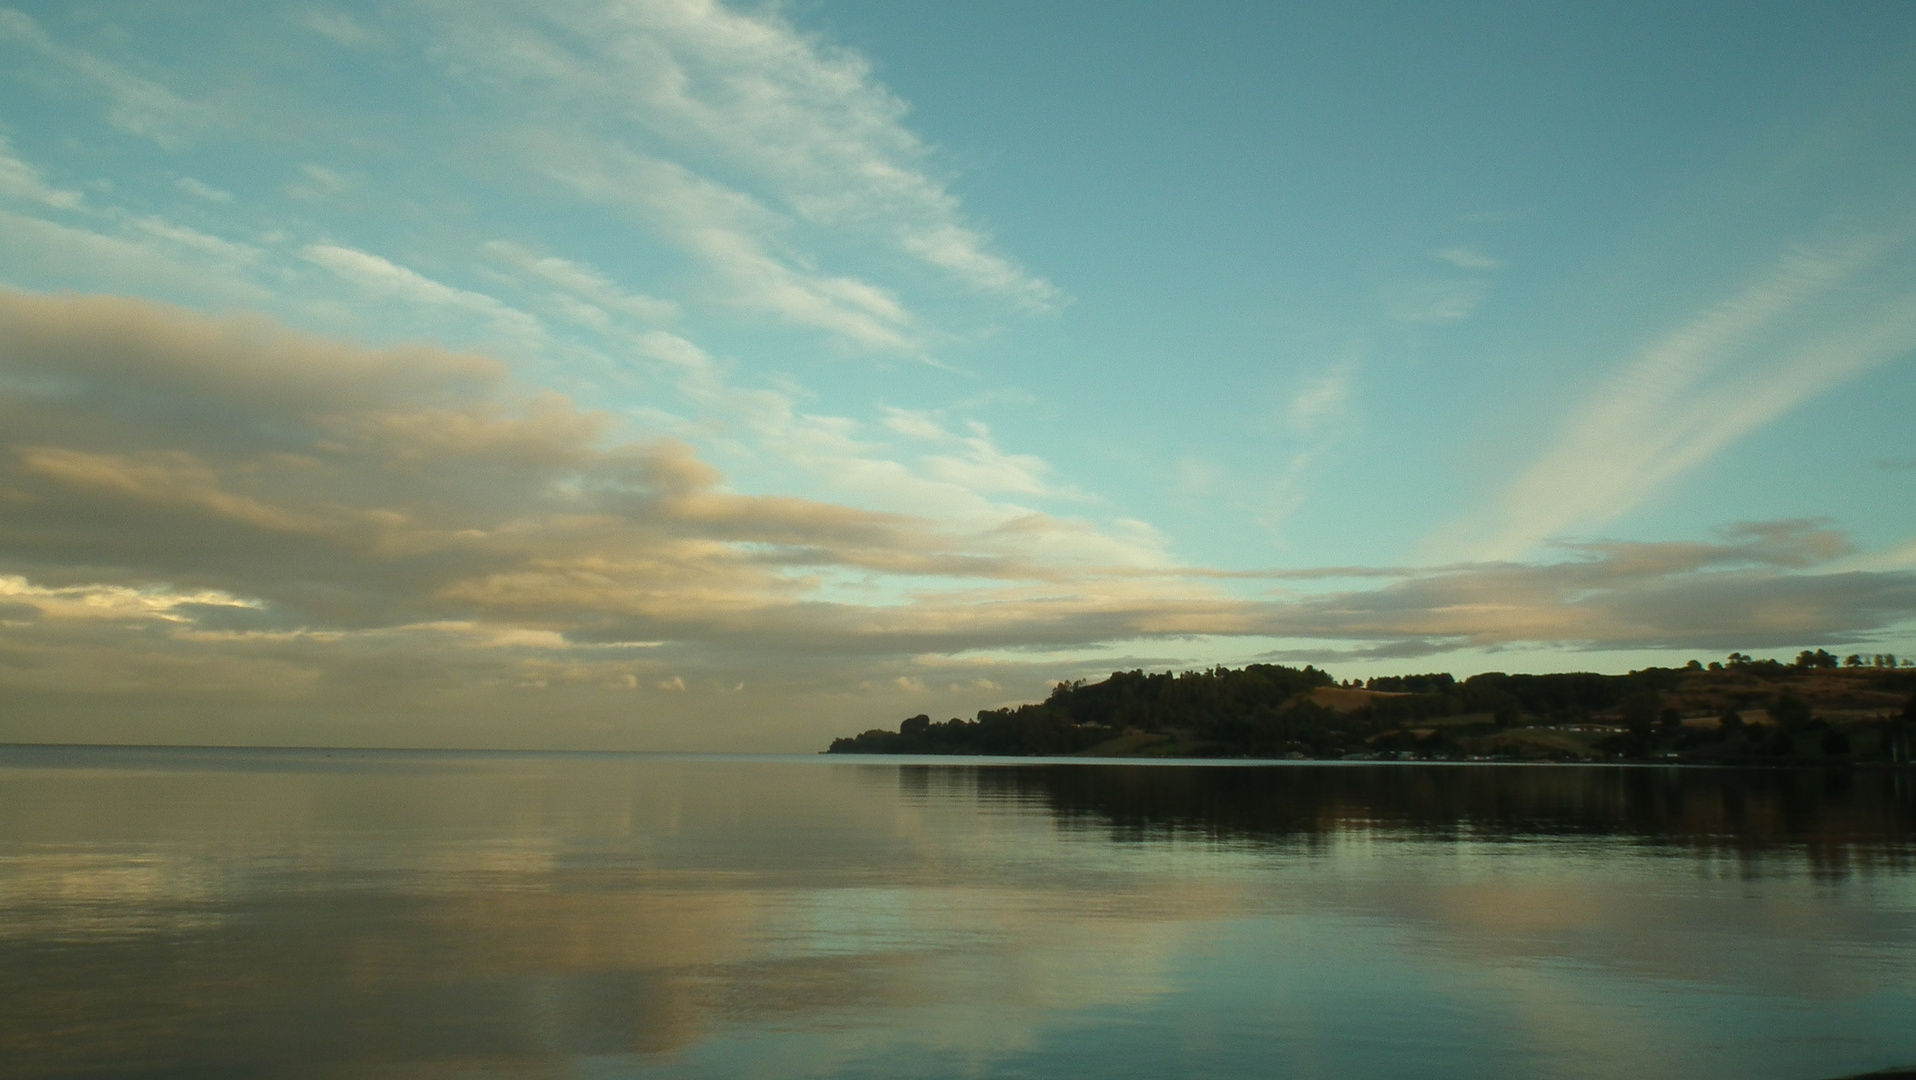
941, 759
1746, 713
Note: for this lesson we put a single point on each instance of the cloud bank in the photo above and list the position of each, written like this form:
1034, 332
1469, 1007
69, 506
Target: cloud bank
200, 512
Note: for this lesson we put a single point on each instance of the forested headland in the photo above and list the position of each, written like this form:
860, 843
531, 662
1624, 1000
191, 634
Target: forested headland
1816, 709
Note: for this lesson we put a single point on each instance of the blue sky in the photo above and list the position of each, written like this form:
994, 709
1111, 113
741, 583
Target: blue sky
681, 375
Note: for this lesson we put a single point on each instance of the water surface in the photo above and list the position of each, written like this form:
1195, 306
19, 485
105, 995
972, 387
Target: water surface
228, 913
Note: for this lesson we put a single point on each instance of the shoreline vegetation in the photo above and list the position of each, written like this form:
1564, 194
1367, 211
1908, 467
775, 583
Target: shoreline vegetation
1816, 710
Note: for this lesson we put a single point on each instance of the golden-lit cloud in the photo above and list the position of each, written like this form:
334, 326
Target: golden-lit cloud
198, 509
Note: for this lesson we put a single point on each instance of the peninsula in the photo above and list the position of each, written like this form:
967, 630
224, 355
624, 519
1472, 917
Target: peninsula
1815, 710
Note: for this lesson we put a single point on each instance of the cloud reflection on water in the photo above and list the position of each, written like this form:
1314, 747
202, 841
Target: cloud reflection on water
410, 915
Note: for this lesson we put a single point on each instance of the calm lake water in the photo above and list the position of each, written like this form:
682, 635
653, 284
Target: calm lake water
229, 913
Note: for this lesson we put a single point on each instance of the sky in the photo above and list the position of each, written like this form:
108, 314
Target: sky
676, 375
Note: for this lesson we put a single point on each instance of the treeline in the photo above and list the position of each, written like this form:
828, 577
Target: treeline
1268, 710
1258, 710
1505, 698
1243, 708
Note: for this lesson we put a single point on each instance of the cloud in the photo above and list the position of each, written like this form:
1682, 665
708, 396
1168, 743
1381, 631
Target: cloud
980, 466
1814, 319
1746, 587
143, 254
583, 282
337, 27
739, 140
95, 243
112, 602
212, 249
776, 164
913, 424
1324, 396
381, 276
201, 190
135, 104
733, 235
222, 510
959, 483
1898, 556
22, 182
805, 119
1465, 257
962, 251
1196, 476
1437, 300
352, 488
319, 182
1318, 414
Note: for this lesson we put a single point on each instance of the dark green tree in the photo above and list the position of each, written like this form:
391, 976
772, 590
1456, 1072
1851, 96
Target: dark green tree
1790, 711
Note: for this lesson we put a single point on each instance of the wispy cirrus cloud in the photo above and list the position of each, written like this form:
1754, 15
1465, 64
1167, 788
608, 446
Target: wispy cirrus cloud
581, 283
61, 235
135, 104
779, 165
807, 121
199, 189
20, 181
1317, 413
338, 27
1437, 300
734, 135
1466, 257
137, 255
382, 276
1818, 316
734, 236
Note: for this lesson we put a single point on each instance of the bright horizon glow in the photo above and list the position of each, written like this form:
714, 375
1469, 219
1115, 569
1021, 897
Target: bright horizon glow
688, 376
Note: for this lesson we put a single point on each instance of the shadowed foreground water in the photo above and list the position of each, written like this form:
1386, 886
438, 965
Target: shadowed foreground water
223, 913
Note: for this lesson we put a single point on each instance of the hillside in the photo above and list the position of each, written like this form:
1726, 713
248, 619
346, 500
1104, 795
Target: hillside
1749, 711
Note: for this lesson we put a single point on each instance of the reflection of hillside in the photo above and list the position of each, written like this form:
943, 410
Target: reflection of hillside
1833, 817
258, 914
